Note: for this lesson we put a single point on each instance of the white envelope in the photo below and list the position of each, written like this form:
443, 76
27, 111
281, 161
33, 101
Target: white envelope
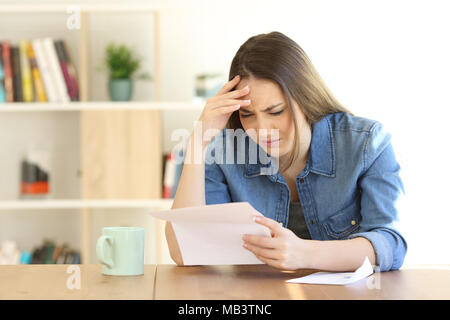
337, 278
212, 234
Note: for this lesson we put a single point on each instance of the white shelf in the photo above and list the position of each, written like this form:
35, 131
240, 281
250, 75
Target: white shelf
163, 204
99, 105
85, 7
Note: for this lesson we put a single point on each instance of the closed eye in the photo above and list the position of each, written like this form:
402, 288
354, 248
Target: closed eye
277, 113
272, 113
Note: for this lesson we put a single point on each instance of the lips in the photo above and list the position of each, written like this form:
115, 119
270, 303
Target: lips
270, 142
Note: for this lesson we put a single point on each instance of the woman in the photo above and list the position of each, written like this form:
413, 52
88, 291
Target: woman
329, 185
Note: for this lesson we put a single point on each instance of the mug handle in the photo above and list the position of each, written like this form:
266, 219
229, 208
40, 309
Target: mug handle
101, 253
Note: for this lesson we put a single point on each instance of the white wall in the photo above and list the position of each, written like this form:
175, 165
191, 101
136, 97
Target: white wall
387, 60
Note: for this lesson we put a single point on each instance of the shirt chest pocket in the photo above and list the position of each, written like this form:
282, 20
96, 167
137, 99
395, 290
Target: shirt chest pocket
344, 222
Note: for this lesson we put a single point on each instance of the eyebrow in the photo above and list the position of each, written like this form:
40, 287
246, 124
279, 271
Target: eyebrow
265, 110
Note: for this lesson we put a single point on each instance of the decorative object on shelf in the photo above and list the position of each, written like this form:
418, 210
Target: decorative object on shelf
35, 173
208, 84
122, 65
9, 254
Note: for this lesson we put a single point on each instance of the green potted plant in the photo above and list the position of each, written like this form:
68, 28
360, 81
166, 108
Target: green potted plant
122, 65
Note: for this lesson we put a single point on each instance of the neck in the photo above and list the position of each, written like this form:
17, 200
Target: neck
300, 159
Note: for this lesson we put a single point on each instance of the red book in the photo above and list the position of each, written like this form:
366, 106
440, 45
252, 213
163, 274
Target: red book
67, 69
169, 176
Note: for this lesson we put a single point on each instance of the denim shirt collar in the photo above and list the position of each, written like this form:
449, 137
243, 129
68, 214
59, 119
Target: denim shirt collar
321, 158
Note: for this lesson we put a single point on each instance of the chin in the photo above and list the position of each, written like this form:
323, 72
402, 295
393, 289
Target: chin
275, 152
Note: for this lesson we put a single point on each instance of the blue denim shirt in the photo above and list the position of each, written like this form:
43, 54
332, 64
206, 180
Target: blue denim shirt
349, 187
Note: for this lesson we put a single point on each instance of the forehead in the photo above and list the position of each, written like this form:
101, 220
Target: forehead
262, 91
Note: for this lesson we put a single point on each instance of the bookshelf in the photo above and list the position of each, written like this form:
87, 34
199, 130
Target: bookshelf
155, 204
100, 105
121, 168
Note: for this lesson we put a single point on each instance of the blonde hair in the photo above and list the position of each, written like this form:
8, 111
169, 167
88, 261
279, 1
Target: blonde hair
276, 57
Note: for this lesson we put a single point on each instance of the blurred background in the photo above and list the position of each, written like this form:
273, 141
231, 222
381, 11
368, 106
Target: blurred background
97, 149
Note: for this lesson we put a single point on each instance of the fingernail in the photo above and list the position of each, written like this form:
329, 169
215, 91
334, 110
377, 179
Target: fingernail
257, 219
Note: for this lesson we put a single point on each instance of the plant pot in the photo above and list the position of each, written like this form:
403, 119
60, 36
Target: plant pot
120, 89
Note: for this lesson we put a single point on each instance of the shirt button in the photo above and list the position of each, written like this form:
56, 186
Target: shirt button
353, 222
312, 221
302, 180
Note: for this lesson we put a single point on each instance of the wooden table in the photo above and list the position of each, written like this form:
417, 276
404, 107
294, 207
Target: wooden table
58, 282
255, 282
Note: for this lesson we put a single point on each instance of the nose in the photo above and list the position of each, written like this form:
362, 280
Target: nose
265, 128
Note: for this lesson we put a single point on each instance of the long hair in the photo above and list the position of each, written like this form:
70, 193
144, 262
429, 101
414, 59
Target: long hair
276, 57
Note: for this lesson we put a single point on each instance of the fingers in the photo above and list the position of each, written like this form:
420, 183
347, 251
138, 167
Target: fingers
263, 252
260, 241
230, 102
227, 109
273, 225
229, 85
231, 95
237, 93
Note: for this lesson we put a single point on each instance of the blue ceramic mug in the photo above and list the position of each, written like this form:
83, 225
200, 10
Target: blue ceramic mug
121, 251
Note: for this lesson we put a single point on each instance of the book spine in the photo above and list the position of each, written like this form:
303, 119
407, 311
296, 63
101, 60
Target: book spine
27, 84
72, 72
169, 176
43, 67
63, 65
17, 76
55, 70
2, 77
7, 68
37, 80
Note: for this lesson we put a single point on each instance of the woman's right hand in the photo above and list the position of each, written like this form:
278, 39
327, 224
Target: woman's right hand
219, 108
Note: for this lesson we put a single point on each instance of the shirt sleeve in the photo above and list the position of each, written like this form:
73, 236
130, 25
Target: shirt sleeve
381, 188
216, 187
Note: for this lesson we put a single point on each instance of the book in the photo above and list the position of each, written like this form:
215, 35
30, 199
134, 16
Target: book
56, 253
2, 77
69, 257
62, 255
67, 69
55, 70
44, 69
72, 72
37, 256
76, 258
16, 74
169, 176
39, 88
7, 69
49, 249
25, 71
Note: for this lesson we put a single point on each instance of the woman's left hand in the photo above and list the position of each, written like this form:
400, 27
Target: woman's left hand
284, 250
